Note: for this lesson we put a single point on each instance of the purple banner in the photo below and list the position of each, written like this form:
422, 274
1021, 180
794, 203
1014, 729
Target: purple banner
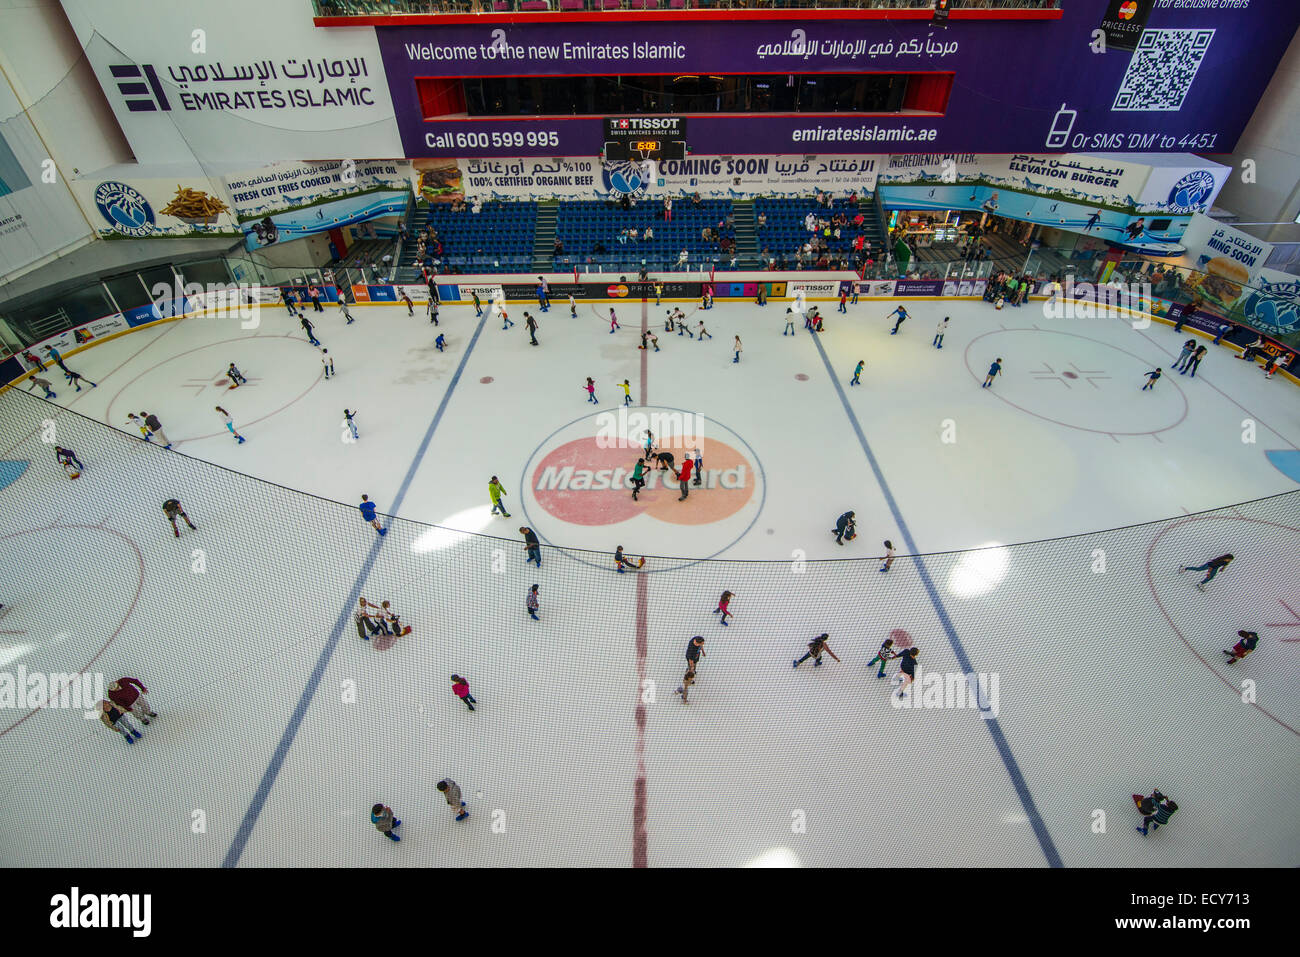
1018, 85
919, 287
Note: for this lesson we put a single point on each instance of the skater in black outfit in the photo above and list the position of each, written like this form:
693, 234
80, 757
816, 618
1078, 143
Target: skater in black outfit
694, 652
532, 547
1249, 640
172, 509
815, 649
844, 528
307, 327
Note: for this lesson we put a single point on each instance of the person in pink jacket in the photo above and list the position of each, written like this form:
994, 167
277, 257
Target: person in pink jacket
460, 687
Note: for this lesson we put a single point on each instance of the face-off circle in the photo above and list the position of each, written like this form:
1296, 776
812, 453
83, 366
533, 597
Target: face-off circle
577, 486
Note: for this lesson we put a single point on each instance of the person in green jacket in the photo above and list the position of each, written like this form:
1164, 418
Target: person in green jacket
495, 491
638, 478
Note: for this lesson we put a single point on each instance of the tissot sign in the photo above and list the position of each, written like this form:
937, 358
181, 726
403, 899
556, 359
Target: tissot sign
1018, 86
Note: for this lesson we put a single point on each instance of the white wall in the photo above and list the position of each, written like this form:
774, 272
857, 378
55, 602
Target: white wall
1272, 140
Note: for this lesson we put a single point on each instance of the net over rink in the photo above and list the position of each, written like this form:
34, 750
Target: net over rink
279, 727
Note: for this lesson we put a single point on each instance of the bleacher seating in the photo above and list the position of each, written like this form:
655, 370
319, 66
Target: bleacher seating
582, 224
785, 230
499, 238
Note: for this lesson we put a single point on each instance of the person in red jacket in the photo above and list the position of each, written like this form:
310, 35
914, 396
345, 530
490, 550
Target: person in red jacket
723, 602
461, 689
684, 479
129, 694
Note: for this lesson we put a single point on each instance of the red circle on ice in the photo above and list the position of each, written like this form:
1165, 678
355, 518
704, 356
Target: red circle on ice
901, 638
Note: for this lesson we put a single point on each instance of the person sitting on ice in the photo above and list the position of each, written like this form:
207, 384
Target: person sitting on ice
1162, 811
1249, 640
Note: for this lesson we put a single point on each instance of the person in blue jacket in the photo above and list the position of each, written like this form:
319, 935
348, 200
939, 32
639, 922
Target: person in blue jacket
368, 513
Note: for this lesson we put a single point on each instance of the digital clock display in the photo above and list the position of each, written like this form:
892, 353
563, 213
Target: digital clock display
644, 146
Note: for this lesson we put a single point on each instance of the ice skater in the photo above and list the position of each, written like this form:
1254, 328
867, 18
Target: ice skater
343, 308
229, 423
68, 459
1247, 644
573, 307
531, 325
888, 557
885, 655
626, 386
621, 561
129, 695
440, 343
460, 688
815, 649
1280, 361
638, 478
532, 547
902, 315
1185, 356
844, 528
288, 301
543, 296
1152, 378
531, 602
994, 370
684, 479
308, 328
789, 322
684, 689
478, 306
133, 419
327, 362
1194, 362
45, 385
172, 509
907, 670
591, 390
857, 372
694, 652
410, 306
613, 322
76, 378
349, 422
698, 458
495, 491
236, 377
737, 348
115, 719
1155, 810
723, 602
381, 816
649, 338
56, 357
314, 295
701, 333
367, 508
938, 334
1211, 568
372, 620
659, 293
451, 791
844, 301
505, 317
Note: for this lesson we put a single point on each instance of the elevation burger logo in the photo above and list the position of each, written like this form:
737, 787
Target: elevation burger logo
125, 209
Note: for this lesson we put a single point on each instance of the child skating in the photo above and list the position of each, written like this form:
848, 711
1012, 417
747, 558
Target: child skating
531, 325
495, 491
638, 478
844, 528
229, 423
815, 649
532, 603
938, 334
308, 328
888, 557
172, 509
343, 308
613, 322
737, 348
381, 816
328, 363
236, 377
698, 458
907, 670
994, 370
684, 689
349, 417
701, 333
1211, 568
857, 372
789, 322
451, 791
440, 343
1249, 641
591, 390
460, 688
367, 508
76, 378
1152, 379
622, 562
902, 315
723, 602
885, 655
45, 385
627, 391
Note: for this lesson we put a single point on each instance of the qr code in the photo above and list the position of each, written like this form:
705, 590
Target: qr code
1162, 70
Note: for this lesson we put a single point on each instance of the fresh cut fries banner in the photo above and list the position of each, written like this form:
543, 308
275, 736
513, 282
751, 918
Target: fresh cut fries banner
135, 202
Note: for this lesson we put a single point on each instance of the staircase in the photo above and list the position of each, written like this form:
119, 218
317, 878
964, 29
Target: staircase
417, 215
544, 237
746, 232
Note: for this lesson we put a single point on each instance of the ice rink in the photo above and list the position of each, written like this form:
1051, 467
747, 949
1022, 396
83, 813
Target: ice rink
279, 728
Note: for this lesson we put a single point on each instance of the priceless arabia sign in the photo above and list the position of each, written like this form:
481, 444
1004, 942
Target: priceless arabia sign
1179, 90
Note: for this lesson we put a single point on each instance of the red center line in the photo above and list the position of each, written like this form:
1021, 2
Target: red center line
640, 838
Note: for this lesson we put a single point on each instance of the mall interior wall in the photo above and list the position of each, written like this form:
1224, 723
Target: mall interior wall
1272, 141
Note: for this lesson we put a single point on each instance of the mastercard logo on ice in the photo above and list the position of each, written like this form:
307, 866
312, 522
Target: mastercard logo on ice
1128, 10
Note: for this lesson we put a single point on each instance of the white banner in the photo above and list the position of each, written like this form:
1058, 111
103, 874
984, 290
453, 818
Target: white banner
1183, 188
1070, 177
71, 339
282, 187
38, 216
1211, 245
712, 177
147, 203
247, 80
